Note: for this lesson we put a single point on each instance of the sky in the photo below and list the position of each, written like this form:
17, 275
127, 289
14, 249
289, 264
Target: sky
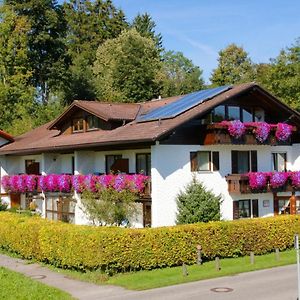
200, 29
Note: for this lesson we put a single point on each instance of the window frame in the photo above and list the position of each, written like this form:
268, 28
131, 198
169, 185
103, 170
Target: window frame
252, 161
148, 166
285, 161
74, 126
88, 128
253, 209
115, 157
214, 161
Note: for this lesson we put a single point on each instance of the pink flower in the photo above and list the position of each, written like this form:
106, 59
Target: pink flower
262, 131
278, 179
295, 178
283, 131
235, 128
257, 180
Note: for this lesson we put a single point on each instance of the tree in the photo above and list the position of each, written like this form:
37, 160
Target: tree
127, 68
281, 76
109, 206
197, 204
145, 26
47, 50
90, 23
234, 67
16, 92
180, 75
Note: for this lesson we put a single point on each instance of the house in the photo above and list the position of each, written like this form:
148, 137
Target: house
171, 140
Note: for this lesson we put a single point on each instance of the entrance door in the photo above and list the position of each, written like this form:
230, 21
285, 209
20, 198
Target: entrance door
147, 214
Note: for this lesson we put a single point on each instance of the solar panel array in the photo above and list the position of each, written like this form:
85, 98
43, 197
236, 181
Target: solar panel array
187, 102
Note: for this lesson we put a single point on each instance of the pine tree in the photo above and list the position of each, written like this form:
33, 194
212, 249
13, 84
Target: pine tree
197, 204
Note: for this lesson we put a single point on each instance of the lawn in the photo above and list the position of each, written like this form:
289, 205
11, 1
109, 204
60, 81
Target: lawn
16, 286
143, 280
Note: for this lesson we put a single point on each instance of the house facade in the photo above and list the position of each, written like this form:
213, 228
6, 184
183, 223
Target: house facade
171, 141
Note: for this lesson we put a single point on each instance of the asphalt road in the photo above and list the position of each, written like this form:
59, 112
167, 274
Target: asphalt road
274, 284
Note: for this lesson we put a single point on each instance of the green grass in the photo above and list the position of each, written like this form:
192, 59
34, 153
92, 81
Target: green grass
143, 280
163, 277
16, 286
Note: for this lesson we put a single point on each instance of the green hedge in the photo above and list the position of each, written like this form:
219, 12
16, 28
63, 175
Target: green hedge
119, 249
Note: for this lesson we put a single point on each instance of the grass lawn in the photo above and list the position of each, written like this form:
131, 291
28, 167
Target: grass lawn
143, 280
16, 286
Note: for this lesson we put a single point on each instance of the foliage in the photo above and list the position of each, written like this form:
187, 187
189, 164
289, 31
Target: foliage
281, 76
121, 249
126, 68
110, 206
145, 26
17, 286
180, 76
234, 67
197, 204
79, 183
3, 205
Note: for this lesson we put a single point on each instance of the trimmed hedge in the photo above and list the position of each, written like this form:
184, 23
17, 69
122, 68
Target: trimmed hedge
120, 249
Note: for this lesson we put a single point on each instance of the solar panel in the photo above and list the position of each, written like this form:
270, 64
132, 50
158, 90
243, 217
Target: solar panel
187, 102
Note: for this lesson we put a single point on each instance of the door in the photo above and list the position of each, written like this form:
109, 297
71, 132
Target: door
147, 214
15, 200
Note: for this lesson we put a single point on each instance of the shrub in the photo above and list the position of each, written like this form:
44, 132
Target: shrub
121, 249
197, 204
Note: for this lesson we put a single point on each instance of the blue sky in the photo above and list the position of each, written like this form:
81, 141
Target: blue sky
201, 28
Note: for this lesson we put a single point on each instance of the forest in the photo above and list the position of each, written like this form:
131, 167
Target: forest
53, 53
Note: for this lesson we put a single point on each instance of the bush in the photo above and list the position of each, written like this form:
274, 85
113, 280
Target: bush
122, 249
3, 205
197, 204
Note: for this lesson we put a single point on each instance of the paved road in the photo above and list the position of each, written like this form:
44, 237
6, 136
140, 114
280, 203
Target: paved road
274, 284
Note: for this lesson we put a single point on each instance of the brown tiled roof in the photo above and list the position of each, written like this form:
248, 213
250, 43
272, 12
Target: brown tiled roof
42, 139
6, 136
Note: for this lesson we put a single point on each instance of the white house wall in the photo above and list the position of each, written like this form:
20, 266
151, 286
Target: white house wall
171, 172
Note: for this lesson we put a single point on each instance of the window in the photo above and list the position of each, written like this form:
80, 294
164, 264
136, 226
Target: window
279, 162
143, 163
243, 162
245, 209
219, 114
247, 115
204, 161
109, 161
233, 113
77, 125
92, 122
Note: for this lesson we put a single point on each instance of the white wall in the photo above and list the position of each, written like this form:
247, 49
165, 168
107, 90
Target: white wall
171, 173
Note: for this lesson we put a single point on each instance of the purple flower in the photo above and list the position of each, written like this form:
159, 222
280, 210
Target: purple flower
235, 128
283, 131
295, 178
278, 179
262, 131
120, 182
78, 183
64, 183
257, 180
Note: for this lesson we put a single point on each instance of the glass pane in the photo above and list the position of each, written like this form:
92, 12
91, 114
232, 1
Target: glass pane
141, 166
281, 162
233, 113
244, 209
148, 165
247, 115
203, 160
219, 113
259, 115
243, 162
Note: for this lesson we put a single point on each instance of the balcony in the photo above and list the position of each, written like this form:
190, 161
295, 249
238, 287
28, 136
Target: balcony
218, 134
263, 182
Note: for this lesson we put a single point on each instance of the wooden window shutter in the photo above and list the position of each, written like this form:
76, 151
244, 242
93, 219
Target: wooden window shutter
255, 208
234, 162
216, 161
236, 214
253, 161
194, 161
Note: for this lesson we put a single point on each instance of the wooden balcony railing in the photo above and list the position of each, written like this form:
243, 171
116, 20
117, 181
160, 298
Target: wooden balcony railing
239, 184
215, 134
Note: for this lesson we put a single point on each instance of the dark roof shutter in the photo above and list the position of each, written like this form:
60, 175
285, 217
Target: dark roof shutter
236, 214
234, 162
194, 161
255, 208
253, 161
216, 161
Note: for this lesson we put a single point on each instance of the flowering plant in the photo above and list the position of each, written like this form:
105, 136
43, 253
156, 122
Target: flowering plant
257, 180
295, 179
283, 131
278, 179
262, 131
235, 128
65, 183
